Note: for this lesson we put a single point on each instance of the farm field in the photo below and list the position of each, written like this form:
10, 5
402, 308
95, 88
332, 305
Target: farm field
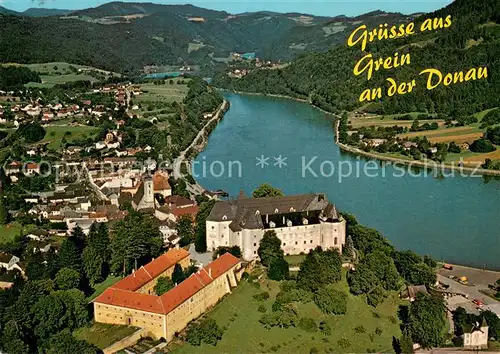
61, 72
239, 313
54, 134
495, 155
169, 93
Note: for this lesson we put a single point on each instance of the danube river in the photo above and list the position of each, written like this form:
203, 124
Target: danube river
456, 219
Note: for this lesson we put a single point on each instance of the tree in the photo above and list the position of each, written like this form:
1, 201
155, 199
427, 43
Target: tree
4, 214
406, 343
348, 249
12, 339
79, 238
383, 267
362, 280
427, 320
269, 248
185, 230
375, 296
482, 145
454, 148
48, 312
422, 274
93, 265
200, 242
404, 260
331, 301
266, 190
320, 268
99, 239
136, 240
207, 332
178, 274
36, 269
429, 261
493, 134
163, 285
65, 342
278, 269
67, 279
69, 255
493, 322
234, 250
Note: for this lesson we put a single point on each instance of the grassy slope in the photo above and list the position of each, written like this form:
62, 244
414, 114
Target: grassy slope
245, 334
99, 288
167, 92
54, 134
59, 73
8, 232
103, 335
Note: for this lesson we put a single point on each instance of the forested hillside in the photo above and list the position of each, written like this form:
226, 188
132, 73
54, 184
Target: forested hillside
125, 37
473, 40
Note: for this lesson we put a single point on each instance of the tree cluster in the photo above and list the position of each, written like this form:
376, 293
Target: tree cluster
271, 256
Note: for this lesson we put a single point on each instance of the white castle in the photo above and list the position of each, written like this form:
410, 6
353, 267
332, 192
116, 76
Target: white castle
301, 222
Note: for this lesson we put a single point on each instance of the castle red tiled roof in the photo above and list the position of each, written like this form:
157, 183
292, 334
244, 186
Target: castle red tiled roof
167, 302
146, 273
131, 300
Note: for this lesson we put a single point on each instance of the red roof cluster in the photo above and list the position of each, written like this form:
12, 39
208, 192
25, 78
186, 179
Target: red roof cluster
117, 295
146, 273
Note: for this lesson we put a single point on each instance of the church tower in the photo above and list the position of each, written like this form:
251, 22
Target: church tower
149, 195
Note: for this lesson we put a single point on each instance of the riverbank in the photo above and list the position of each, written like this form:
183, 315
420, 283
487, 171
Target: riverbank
282, 96
468, 171
188, 154
268, 95
351, 149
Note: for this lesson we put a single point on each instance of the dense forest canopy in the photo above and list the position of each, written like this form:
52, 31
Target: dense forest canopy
472, 41
12, 77
164, 35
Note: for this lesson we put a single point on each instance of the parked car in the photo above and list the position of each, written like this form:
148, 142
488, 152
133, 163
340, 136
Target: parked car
478, 302
447, 266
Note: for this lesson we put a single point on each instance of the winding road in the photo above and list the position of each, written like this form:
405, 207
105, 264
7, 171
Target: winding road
182, 157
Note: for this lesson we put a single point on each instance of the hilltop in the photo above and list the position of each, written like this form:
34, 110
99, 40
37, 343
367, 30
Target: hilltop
125, 37
327, 78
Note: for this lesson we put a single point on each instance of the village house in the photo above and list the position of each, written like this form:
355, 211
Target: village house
179, 206
375, 142
13, 168
412, 290
301, 222
39, 246
132, 302
476, 336
37, 235
407, 145
10, 262
83, 223
31, 169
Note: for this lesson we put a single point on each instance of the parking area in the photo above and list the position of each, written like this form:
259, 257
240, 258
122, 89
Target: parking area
478, 277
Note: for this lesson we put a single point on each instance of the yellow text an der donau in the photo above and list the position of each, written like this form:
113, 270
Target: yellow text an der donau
367, 65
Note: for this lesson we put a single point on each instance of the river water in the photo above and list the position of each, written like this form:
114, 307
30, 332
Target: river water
453, 218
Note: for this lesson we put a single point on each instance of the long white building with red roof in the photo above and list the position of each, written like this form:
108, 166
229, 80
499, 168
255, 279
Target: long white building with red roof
132, 301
